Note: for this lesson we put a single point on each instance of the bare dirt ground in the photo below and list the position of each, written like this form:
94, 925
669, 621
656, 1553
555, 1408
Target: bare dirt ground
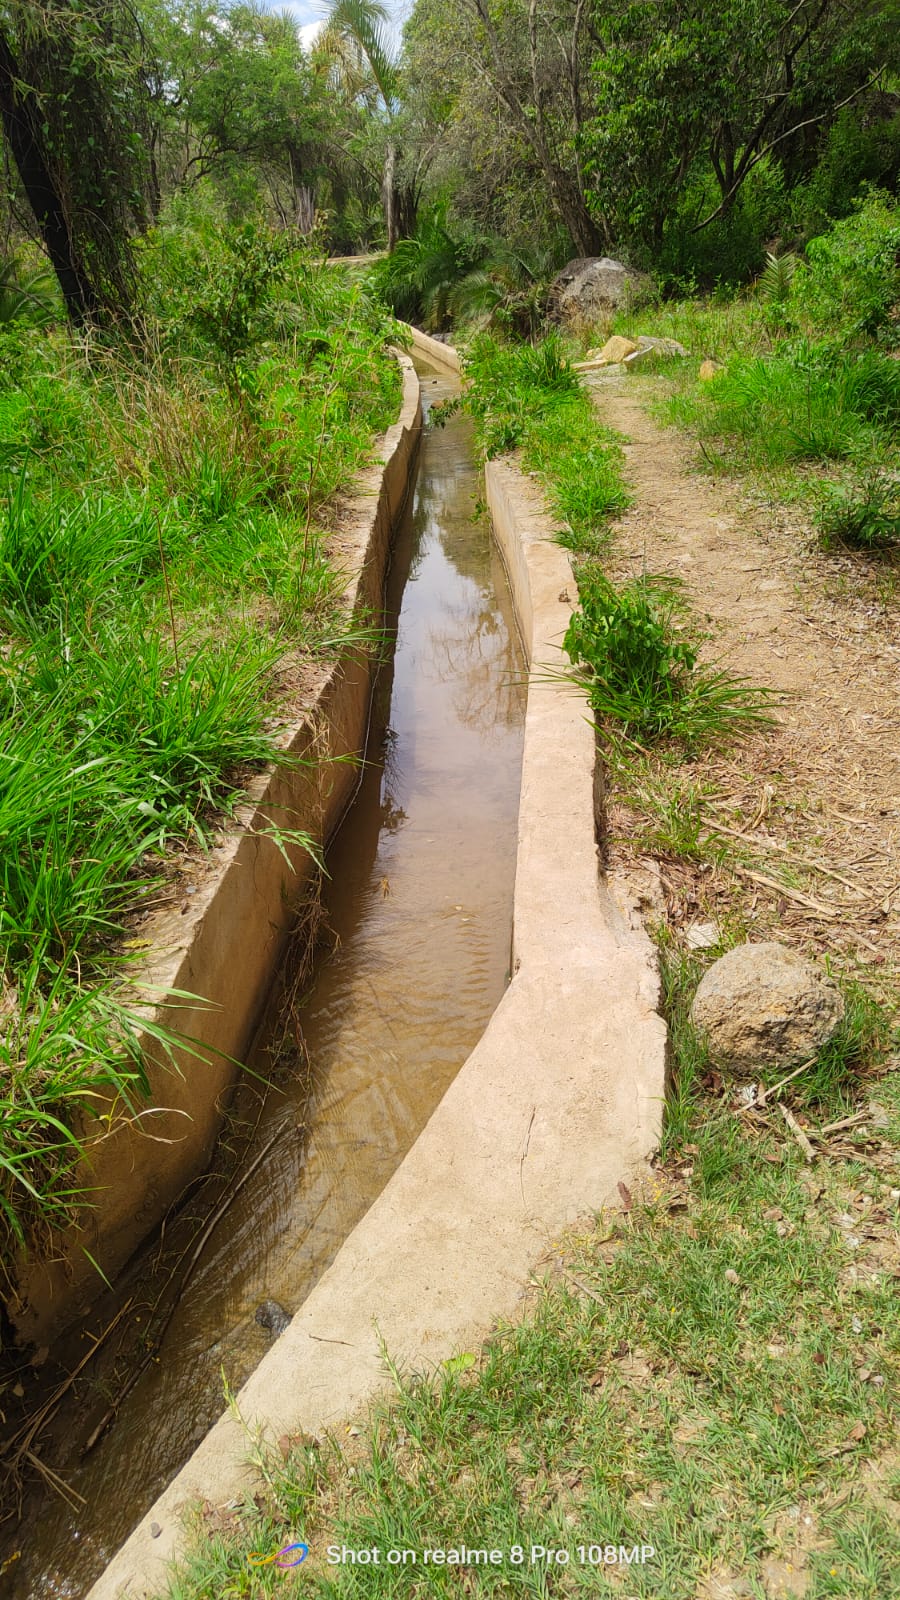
813, 804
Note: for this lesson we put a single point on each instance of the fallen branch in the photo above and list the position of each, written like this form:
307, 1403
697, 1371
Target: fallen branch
789, 894
809, 1153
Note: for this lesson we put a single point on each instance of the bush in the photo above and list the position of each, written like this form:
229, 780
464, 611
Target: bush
641, 670
730, 250
855, 153
851, 281
863, 514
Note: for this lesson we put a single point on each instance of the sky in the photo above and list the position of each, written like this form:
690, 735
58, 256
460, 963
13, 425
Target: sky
309, 14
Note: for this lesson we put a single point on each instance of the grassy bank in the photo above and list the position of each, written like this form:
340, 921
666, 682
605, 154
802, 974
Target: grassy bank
806, 397
527, 398
712, 1372
164, 515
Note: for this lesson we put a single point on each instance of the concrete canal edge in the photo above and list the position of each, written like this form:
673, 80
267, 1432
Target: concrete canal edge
560, 1100
226, 945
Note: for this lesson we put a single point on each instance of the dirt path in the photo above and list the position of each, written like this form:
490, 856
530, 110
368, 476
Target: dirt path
817, 800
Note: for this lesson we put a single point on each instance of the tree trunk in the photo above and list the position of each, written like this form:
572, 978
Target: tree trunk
389, 196
584, 232
22, 125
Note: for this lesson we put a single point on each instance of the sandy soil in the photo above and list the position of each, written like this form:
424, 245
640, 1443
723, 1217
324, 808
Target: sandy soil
817, 799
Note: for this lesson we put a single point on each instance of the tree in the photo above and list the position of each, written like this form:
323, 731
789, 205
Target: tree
236, 96
364, 67
72, 106
676, 83
533, 53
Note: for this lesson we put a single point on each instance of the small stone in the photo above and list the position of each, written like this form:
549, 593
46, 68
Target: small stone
702, 936
731, 1276
155, 1530
708, 369
765, 1005
272, 1316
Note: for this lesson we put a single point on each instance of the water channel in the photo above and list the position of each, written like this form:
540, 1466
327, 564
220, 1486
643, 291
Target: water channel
418, 907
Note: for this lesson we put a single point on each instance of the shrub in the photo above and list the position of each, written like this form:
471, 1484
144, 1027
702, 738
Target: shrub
851, 280
863, 513
641, 670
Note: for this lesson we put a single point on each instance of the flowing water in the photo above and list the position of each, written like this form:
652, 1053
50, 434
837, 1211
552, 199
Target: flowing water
419, 906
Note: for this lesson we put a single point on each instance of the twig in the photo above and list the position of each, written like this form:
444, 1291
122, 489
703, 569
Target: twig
763, 1097
803, 861
525, 1152
808, 1151
582, 1286
213, 1222
835, 1127
789, 894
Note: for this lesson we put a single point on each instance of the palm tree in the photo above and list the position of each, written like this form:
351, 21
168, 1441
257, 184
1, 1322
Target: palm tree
364, 62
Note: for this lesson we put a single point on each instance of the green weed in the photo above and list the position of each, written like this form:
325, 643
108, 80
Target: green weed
863, 513
642, 672
528, 397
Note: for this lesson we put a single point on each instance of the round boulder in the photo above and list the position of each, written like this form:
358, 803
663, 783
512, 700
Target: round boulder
591, 286
764, 1005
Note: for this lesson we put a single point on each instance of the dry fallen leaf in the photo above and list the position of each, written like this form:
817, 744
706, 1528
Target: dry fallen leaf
625, 1193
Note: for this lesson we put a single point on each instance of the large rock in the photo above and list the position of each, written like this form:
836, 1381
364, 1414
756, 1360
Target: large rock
591, 286
763, 1005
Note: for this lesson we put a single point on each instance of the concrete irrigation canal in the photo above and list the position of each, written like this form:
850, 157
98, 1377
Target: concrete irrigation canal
475, 1059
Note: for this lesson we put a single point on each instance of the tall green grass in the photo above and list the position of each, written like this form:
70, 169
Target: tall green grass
809, 391
528, 397
163, 523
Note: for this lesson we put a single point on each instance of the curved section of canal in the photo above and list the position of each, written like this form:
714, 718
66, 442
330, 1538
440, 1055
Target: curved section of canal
350, 1062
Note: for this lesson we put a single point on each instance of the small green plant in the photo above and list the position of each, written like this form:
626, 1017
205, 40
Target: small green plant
863, 513
642, 671
775, 279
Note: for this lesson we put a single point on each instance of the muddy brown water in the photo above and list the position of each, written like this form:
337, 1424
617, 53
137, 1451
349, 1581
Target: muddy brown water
419, 908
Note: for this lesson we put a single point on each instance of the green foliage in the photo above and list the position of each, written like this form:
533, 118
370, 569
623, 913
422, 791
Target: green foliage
26, 297
419, 277
811, 404
700, 120
729, 250
862, 513
858, 150
776, 278
232, 310
851, 281
809, 379
641, 669
161, 546
528, 397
